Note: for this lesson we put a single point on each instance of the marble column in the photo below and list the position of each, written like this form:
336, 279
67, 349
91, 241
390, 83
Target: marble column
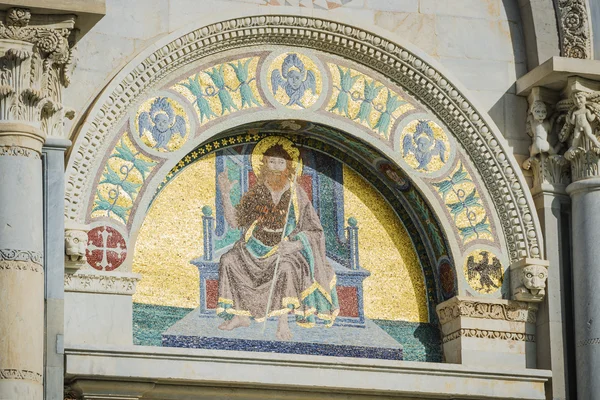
21, 262
551, 175
35, 60
580, 134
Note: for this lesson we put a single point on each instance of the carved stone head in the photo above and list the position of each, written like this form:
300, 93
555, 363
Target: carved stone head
539, 110
534, 278
528, 280
76, 240
76, 244
579, 99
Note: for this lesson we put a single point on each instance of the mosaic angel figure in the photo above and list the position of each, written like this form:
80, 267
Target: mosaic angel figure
488, 273
162, 123
423, 145
294, 79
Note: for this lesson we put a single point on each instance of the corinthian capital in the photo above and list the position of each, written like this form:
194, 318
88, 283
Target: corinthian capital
550, 169
36, 61
581, 127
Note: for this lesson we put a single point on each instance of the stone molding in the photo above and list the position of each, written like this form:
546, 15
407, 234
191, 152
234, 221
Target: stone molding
34, 257
36, 61
588, 342
202, 372
21, 266
487, 334
574, 28
17, 151
493, 160
464, 307
21, 374
88, 281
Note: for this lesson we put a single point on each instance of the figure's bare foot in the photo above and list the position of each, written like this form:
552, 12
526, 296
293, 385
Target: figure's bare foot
527, 163
283, 329
236, 322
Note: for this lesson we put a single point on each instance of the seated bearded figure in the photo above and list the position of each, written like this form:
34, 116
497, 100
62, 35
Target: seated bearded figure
278, 266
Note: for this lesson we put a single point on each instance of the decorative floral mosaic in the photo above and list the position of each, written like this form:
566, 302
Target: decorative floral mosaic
460, 195
222, 89
124, 174
365, 100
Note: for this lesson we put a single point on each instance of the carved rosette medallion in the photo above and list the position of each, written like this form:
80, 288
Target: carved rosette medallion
574, 28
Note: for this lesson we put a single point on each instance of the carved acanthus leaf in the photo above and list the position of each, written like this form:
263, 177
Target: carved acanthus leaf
35, 66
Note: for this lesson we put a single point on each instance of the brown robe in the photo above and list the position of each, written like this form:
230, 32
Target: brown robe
305, 282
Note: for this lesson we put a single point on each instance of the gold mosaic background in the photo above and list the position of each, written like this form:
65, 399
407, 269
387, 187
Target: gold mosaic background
395, 290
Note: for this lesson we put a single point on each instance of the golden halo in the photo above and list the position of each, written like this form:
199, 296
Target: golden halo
270, 141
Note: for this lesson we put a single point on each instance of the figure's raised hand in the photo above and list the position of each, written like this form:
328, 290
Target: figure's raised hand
224, 183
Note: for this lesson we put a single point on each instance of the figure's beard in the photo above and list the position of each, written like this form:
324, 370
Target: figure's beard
276, 180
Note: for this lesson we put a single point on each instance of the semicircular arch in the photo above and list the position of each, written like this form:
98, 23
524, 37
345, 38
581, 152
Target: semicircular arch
481, 152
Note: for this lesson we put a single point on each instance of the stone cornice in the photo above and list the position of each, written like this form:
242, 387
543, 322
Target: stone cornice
137, 364
89, 281
505, 310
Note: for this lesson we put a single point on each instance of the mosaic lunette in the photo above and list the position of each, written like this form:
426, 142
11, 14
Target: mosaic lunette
396, 299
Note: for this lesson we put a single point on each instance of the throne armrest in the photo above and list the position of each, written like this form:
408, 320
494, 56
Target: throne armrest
352, 236
208, 228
